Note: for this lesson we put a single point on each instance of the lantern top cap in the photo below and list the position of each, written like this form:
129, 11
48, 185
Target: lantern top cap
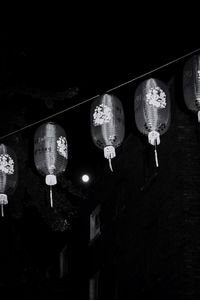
6, 147
107, 95
153, 79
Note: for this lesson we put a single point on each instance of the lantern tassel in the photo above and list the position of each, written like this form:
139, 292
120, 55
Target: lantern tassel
156, 155
51, 196
2, 211
109, 153
110, 164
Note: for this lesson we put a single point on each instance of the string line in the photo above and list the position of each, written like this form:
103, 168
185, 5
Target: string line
108, 91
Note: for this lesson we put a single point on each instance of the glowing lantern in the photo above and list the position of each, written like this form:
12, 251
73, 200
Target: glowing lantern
107, 124
50, 152
152, 110
191, 84
8, 174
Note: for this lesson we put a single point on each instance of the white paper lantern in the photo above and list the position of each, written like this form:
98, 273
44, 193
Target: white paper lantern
191, 84
50, 152
107, 124
8, 174
152, 110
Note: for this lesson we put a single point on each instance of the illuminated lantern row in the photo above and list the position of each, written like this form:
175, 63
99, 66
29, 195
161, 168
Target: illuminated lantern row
107, 124
152, 110
8, 174
50, 153
191, 84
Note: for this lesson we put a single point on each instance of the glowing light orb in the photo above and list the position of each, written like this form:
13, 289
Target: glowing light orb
85, 178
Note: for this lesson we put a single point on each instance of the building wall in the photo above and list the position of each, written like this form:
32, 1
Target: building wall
149, 241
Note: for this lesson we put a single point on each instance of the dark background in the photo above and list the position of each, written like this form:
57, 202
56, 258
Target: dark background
148, 238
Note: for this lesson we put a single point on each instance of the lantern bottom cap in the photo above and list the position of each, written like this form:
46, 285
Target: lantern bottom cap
154, 137
109, 152
3, 199
51, 179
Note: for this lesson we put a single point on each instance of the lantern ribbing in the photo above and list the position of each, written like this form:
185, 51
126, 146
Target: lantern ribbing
152, 111
50, 153
107, 124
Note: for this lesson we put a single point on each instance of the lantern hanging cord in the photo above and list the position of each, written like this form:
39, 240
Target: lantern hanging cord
108, 91
47, 118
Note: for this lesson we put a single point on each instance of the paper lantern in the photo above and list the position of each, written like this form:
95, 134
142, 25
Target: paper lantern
107, 124
191, 84
8, 174
50, 153
152, 110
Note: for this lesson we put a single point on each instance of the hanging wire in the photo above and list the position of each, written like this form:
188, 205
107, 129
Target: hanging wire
47, 118
108, 91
